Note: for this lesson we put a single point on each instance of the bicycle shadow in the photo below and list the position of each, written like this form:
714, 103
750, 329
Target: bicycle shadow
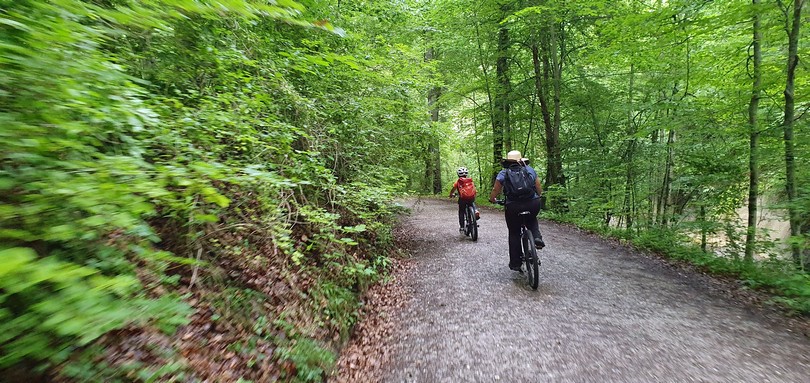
519, 281
465, 237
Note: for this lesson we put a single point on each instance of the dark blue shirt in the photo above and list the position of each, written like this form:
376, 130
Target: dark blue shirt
501, 177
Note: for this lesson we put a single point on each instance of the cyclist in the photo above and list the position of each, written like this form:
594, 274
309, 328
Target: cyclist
522, 189
466, 196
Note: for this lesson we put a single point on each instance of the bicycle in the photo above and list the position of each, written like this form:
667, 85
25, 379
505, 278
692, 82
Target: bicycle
470, 222
528, 250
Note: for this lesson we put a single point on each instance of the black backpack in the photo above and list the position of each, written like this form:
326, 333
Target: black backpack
519, 183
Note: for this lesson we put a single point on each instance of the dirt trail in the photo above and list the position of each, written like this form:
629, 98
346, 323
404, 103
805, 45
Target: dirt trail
602, 313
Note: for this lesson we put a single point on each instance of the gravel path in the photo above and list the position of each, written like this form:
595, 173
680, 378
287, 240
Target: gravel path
602, 313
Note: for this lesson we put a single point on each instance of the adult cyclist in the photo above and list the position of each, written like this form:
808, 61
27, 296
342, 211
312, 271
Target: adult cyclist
522, 189
462, 185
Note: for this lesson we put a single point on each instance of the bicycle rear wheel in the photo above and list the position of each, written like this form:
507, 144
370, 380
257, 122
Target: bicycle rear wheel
531, 260
467, 226
472, 225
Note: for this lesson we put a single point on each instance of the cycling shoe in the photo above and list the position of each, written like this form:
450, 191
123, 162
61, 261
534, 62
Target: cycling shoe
538, 243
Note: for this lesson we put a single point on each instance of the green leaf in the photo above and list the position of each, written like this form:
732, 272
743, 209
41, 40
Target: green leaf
205, 218
12, 260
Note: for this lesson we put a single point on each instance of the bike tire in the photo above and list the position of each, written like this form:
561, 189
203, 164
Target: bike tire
467, 227
472, 223
531, 260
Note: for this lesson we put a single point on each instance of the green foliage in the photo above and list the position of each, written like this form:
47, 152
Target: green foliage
134, 129
51, 307
348, 258
339, 304
85, 367
311, 360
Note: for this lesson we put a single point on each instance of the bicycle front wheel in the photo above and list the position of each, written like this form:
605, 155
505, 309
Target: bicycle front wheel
472, 225
531, 260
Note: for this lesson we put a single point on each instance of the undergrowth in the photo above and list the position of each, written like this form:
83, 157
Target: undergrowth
151, 154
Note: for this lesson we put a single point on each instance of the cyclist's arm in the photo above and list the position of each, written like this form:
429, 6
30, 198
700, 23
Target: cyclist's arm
453, 190
496, 190
538, 185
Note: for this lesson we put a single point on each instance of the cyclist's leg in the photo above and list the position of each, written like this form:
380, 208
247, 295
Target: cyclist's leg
462, 206
514, 223
475, 208
531, 223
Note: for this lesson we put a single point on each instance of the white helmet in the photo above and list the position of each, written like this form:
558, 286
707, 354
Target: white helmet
462, 172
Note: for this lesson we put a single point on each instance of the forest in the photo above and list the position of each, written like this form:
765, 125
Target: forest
176, 168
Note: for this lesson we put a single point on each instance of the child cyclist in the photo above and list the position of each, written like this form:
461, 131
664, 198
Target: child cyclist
466, 196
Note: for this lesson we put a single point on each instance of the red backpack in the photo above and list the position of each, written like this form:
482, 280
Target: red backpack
466, 189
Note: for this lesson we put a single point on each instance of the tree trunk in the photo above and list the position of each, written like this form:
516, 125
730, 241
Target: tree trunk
702, 218
532, 107
549, 83
753, 166
652, 177
433, 164
665, 189
555, 51
628, 157
475, 137
787, 126
437, 168
490, 102
501, 124
541, 96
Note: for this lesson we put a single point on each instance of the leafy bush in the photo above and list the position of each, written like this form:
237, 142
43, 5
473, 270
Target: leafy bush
132, 131
310, 359
51, 307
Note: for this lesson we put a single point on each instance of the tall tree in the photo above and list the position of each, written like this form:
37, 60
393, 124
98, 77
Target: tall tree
753, 108
540, 79
628, 205
792, 26
433, 161
500, 125
553, 61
